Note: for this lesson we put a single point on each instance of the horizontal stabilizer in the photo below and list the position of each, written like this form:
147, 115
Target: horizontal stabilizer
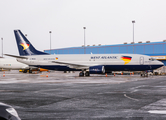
16, 56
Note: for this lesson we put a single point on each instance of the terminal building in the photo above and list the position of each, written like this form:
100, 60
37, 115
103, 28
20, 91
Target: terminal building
153, 49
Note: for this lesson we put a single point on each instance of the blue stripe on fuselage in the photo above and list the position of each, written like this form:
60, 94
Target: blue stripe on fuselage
107, 67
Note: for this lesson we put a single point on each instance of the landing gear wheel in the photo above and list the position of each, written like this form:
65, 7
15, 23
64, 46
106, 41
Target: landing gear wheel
25, 71
81, 74
30, 71
144, 74
87, 73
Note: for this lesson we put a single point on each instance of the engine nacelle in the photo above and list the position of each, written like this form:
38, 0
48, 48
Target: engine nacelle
97, 70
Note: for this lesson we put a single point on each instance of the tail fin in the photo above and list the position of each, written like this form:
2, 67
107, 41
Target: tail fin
24, 46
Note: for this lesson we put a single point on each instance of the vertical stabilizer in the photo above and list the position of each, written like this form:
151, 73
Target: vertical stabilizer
25, 48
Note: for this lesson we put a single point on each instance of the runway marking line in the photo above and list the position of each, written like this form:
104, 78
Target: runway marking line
157, 111
130, 98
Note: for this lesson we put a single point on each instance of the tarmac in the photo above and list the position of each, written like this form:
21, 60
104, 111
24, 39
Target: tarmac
58, 95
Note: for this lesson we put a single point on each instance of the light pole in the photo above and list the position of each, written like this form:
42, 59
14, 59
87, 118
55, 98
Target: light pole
133, 35
2, 46
50, 41
84, 40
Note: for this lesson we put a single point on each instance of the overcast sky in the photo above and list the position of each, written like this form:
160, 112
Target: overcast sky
107, 22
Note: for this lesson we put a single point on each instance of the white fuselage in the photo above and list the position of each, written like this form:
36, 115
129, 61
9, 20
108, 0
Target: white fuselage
79, 61
12, 64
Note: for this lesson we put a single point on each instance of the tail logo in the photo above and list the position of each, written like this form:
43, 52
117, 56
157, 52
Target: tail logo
126, 59
25, 45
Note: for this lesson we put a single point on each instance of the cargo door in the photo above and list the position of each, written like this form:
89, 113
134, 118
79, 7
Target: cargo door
141, 60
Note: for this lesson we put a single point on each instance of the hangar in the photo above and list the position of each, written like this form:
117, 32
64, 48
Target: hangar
153, 49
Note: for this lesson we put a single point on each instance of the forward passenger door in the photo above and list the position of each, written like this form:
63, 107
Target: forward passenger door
141, 60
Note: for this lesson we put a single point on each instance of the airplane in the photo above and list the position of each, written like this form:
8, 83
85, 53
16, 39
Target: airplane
85, 63
13, 64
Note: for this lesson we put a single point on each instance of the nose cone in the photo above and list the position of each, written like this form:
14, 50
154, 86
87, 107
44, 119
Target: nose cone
156, 64
160, 63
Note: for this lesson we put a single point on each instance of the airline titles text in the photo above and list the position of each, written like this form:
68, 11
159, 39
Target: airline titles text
104, 57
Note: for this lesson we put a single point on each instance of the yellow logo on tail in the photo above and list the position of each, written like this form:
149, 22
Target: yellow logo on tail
25, 46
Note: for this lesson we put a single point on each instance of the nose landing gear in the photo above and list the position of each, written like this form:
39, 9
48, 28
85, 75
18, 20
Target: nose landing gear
144, 74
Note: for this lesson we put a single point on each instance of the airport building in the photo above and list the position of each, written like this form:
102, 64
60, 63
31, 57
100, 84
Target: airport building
153, 49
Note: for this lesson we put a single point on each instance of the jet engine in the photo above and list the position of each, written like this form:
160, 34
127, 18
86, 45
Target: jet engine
97, 70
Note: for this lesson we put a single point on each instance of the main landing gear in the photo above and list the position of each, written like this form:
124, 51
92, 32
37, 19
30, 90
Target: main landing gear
84, 73
25, 71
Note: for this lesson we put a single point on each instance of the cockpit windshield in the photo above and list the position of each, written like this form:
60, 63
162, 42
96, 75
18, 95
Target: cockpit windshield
152, 59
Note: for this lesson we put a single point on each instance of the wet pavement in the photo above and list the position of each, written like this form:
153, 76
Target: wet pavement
67, 96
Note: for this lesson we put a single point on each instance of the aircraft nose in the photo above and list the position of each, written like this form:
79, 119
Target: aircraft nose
160, 63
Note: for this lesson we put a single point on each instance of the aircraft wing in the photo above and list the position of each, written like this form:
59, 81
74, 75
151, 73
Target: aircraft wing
73, 65
15, 56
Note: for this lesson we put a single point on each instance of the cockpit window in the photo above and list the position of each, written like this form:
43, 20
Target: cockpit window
152, 59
